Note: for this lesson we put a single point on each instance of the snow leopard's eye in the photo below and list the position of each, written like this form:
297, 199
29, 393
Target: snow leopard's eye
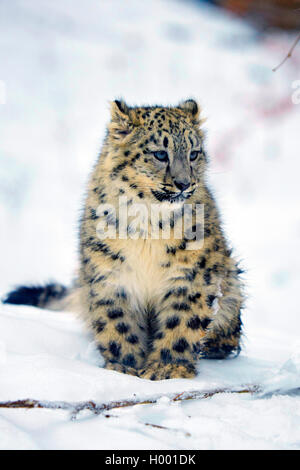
194, 155
161, 155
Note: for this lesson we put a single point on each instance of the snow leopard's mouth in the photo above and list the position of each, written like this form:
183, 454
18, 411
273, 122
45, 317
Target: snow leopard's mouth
172, 197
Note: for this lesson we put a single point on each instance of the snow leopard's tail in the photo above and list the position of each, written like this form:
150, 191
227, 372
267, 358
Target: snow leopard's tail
52, 296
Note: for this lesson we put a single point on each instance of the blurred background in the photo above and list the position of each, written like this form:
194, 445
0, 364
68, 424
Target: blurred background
62, 61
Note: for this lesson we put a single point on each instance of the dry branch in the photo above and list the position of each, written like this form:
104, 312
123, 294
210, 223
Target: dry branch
289, 54
98, 408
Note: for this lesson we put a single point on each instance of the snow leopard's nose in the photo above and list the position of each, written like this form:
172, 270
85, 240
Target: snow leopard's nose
182, 185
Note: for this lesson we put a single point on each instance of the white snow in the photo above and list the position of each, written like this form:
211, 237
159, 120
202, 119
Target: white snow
50, 357
61, 62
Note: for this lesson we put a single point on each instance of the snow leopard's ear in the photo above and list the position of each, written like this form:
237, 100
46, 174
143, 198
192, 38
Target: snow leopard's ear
190, 106
119, 110
123, 119
193, 110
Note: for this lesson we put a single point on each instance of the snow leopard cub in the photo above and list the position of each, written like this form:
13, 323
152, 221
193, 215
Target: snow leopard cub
154, 304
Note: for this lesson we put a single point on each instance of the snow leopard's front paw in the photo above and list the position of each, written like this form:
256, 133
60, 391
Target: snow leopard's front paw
160, 371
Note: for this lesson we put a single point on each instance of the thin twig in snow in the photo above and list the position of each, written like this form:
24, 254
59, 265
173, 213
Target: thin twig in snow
158, 426
289, 53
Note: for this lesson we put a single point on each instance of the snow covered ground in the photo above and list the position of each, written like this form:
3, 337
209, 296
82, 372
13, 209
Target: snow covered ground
61, 62
49, 357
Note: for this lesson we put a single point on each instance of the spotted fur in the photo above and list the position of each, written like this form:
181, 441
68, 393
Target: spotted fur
154, 306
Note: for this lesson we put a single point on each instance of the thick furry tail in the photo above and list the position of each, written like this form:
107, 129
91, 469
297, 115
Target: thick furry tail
38, 296
52, 296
